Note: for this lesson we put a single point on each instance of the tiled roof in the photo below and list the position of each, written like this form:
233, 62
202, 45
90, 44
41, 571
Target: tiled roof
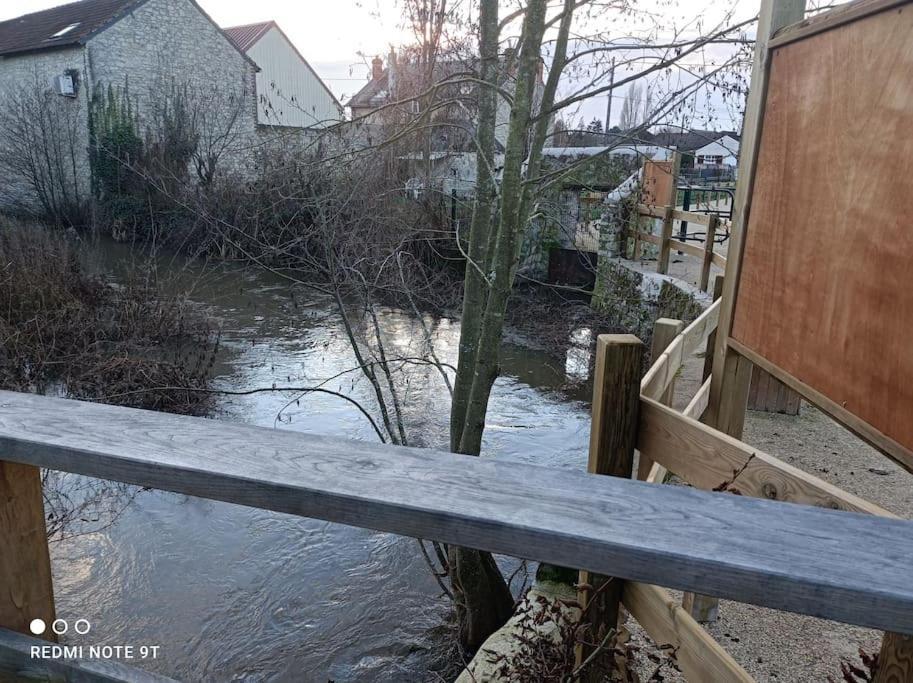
245, 36
60, 26
368, 95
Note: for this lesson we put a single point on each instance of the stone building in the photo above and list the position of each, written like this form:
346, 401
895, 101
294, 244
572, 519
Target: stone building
53, 62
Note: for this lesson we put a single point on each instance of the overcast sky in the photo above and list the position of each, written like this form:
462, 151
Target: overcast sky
329, 33
332, 34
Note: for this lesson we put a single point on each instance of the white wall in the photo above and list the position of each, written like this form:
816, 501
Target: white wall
725, 147
288, 91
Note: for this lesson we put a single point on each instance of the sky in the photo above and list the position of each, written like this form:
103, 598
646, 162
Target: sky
339, 37
329, 33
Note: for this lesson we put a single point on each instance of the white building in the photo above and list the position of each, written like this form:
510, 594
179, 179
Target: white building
720, 153
289, 91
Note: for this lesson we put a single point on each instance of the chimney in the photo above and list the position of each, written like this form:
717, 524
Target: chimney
377, 68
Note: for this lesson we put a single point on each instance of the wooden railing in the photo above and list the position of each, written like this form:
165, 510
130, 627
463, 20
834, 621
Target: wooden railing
705, 252
747, 548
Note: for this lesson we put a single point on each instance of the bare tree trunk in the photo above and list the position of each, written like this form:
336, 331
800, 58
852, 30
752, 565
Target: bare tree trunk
482, 598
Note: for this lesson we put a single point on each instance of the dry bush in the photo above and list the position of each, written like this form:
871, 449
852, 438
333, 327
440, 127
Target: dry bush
68, 332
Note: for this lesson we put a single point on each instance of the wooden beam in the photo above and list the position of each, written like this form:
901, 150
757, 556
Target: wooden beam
895, 660
665, 331
751, 550
709, 242
685, 247
18, 664
647, 237
613, 434
700, 657
666, 366
662, 265
902, 456
731, 372
677, 214
709, 459
703, 608
26, 590
826, 21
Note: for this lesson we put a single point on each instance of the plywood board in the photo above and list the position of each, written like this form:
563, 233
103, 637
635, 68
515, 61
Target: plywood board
658, 182
826, 286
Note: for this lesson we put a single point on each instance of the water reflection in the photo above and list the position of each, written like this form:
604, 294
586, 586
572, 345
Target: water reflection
232, 593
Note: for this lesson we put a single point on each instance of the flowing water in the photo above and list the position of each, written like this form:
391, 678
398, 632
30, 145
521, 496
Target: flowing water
230, 593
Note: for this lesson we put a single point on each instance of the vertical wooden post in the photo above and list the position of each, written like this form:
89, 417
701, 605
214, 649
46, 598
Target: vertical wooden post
708, 251
665, 248
732, 373
613, 437
895, 661
26, 592
664, 331
705, 609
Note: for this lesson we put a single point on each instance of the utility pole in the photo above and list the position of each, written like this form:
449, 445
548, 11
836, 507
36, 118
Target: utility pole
608, 107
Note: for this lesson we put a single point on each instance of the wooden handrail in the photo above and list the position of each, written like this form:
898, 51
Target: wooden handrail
692, 338
788, 557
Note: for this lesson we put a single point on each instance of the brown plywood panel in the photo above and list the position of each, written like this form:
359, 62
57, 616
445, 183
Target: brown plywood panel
826, 286
657, 182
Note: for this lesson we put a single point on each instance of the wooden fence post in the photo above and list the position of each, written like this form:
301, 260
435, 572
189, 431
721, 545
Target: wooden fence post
664, 331
708, 251
703, 608
895, 661
665, 247
26, 591
613, 437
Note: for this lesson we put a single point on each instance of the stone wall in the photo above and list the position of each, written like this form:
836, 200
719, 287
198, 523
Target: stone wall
27, 82
164, 42
159, 43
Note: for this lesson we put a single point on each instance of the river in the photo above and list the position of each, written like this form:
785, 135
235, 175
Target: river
230, 593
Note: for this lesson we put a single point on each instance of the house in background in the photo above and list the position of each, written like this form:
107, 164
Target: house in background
707, 153
289, 91
384, 104
68, 53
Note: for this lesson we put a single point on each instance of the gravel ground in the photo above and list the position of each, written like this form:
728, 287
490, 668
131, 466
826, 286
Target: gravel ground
778, 646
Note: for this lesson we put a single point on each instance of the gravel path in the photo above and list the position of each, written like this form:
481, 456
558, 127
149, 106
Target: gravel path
778, 646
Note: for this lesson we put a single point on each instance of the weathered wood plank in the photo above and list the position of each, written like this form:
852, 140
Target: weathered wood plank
665, 330
708, 459
701, 658
613, 434
26, 590
707, 258
647, 237
663, 370
895, 660
687, 248
826, 21
796, 558
17, 664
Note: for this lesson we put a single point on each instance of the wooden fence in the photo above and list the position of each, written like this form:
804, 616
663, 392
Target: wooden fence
667, 243
789, 557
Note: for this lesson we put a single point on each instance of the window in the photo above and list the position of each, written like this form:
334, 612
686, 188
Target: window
62, 32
